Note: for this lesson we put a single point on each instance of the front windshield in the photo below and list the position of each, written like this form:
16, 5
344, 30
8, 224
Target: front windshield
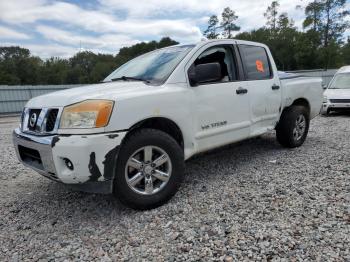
155, 66
341, 81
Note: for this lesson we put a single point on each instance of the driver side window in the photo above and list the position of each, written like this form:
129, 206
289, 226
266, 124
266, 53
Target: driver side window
224, 57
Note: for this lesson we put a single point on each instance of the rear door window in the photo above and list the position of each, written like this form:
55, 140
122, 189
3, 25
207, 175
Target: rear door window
256, 62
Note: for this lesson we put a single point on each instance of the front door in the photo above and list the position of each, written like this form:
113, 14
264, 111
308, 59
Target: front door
221, 108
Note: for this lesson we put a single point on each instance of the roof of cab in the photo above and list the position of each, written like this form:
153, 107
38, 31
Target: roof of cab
231, 40
344, 69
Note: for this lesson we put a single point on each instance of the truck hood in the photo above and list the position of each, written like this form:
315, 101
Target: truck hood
337, 93
110, 90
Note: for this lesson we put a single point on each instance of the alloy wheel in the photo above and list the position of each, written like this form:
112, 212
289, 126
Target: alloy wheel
300, 127
148, 170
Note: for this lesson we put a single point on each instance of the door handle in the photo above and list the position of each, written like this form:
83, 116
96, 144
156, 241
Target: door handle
241, 91
275, 87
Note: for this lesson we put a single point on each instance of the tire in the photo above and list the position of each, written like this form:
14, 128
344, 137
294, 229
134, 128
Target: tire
135, 147
287, 132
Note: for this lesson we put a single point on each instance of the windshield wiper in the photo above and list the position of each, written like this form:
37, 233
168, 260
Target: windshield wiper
126, 78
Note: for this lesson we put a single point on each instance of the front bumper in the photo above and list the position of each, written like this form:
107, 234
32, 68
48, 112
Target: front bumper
328, 106
92, 158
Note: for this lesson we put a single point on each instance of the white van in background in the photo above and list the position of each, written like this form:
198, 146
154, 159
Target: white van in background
337, 95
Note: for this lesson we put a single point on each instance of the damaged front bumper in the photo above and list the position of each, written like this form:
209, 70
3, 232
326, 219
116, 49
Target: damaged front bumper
84, 162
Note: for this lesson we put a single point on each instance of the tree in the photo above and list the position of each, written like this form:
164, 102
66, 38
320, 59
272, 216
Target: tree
54, 71
281, 41
284, 42
17, 66
346, 52
13, 52
320, 44
327, 19
284, 22
101, 70
127, 53
227, 23
211, 31
334, 25
165, 42
313, 13
83, 62
271, 15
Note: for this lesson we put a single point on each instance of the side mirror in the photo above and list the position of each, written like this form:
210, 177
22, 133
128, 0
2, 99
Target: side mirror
324, 86
204, 73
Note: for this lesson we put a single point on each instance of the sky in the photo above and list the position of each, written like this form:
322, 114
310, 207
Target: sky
62, 28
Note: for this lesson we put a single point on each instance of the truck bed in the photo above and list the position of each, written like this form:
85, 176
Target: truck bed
299, 87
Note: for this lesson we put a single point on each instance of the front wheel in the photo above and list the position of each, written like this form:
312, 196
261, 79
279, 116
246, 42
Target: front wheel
149, 169
293, 126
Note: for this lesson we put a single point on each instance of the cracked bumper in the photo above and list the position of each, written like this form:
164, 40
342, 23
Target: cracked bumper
92, 157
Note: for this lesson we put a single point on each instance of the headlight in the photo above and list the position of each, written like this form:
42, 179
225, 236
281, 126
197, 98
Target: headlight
325, 99
87, 114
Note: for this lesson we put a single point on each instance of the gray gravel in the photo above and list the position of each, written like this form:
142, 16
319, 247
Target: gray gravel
254, 200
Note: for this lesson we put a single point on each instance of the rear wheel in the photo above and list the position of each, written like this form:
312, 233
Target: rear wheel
293, 126
149, 169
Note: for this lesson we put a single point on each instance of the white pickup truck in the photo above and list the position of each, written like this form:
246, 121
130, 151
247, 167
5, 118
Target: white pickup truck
131, 134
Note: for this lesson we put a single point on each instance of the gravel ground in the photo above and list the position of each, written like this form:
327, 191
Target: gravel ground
250, 201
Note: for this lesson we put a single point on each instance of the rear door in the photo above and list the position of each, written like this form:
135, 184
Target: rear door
264, 87
221, 108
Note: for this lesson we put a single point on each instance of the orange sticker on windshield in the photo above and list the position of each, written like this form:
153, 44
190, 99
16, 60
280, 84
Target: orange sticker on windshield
259, 66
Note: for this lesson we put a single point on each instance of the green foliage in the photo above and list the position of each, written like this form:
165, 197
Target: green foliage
18, 67
313, 12
346, 52
271, 15
227, 23
306, 54
320, 45
327, 20
211, 31
54, 71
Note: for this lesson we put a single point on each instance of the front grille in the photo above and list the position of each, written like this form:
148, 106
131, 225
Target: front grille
51, 120
339, 100
40, 121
